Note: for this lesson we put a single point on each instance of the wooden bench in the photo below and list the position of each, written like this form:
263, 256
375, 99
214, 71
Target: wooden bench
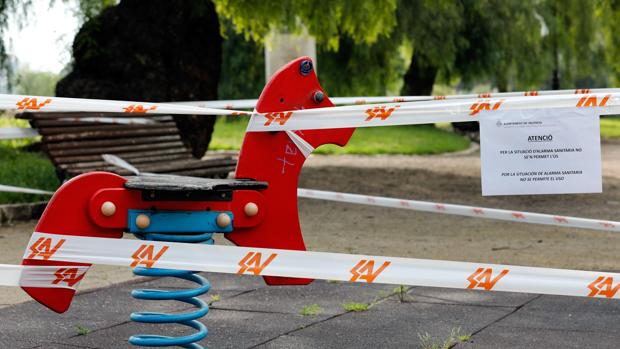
75, 146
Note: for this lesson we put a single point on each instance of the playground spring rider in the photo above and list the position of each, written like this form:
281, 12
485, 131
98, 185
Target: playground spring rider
257, 209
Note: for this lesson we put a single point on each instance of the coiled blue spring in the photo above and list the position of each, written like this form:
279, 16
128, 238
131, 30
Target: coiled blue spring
188, 296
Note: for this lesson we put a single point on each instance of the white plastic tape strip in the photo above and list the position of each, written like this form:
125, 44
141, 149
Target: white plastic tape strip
23, 103
41, 276
119, 162
13, 189
251, 103
222, 104
17, 133
462, 210
411, 113
111, 120
321, 265
406, 113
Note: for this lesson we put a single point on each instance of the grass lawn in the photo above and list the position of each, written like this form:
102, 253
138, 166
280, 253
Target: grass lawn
423, 139
610, 127
23, 169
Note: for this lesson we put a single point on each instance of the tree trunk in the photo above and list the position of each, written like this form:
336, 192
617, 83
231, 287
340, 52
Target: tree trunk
420, 76
419, 81
151, 50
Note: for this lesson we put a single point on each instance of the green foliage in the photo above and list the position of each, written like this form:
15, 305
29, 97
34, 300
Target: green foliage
19, 9
514, 44
10, 121
310, 310
243, 67
401, 293
361, 69
475, 40
88, 9
574, 46
214, 298
356, 56
82, 331
607, 16
327, 20
610, 128
414, 139
433, 27
455, 336
355, 307
500, 36
422, 139
35, 83
24, 169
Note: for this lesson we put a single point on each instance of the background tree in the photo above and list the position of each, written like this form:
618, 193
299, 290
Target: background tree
9, 8
164, 51
356, 55
469, 40
37, 83
362, 69
243, 66
573, 46
608, 14
432, 29
326, 20
375, 47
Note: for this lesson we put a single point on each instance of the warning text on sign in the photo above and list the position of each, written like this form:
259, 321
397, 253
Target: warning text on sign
550, 151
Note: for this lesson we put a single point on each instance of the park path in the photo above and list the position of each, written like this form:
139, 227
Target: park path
452, 178
249, 314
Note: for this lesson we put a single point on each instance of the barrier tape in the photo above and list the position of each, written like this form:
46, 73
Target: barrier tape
406, 113
112, 120
21, 103
415, 205
462, 210
322, 265
41, 276
428, 112
251, 103
13, 189
17, 133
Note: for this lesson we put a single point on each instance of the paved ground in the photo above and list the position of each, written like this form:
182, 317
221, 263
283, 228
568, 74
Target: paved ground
250, 314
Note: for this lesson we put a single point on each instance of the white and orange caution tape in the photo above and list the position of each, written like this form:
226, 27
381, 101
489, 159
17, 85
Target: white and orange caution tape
322, 265
429, 112
251, 103
111, 120
462, 210
22, 103
41, 276
406, 113
415, 205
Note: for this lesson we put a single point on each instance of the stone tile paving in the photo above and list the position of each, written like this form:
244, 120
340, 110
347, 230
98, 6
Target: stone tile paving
250, 314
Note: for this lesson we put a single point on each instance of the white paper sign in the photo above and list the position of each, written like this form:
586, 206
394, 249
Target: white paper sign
540, 151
